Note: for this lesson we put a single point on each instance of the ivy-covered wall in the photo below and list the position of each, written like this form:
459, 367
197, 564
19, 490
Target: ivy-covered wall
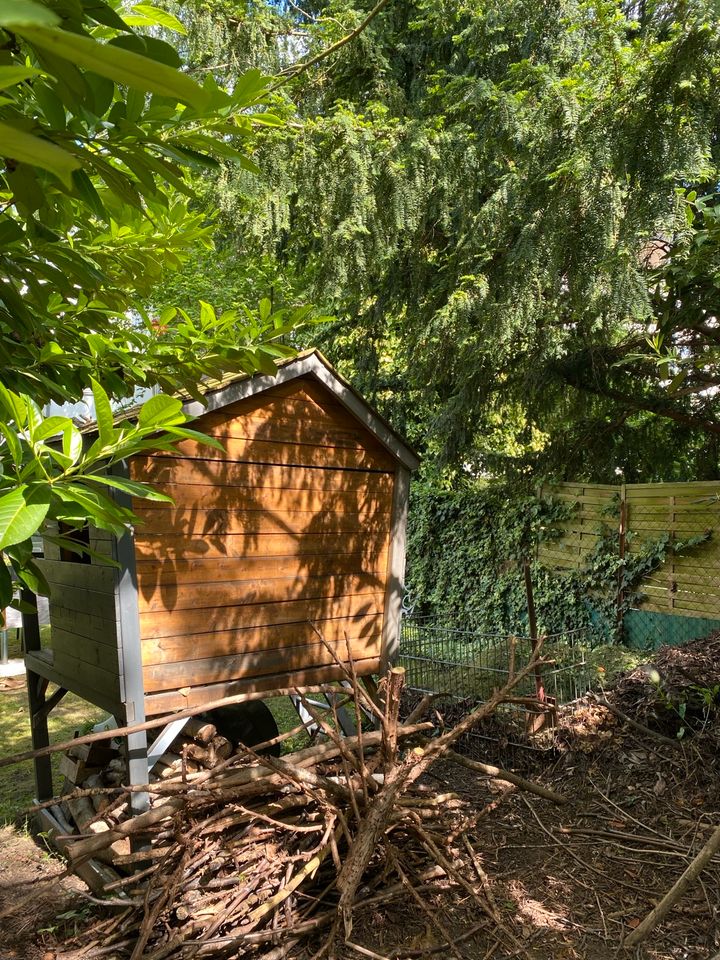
465, 563
466, 549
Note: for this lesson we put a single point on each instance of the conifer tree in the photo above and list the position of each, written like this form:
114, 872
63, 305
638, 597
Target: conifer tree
511, 209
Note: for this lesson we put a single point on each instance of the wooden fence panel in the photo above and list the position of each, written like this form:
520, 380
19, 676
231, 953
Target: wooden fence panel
687, 584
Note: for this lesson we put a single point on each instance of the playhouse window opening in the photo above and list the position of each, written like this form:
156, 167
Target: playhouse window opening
79, 535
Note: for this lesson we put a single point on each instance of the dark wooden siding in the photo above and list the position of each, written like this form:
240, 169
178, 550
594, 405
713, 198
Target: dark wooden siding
288, 527
84, 629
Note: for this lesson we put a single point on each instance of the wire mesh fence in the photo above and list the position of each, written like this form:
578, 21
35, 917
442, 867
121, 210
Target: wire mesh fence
463, 667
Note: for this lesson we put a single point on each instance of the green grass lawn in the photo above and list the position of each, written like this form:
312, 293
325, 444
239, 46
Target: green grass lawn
17, 784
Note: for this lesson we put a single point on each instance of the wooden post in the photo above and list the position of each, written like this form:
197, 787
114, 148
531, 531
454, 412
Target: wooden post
37, 686
671, 565
537, 721
129, 632
622, 539
532, 624
393, 692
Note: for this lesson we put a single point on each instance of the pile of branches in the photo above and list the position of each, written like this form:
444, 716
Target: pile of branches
263, 856
676, 691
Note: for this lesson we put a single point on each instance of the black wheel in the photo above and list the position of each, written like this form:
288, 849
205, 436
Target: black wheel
248, 723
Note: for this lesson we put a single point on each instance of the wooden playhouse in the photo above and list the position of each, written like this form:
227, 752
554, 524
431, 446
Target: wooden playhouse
297, 527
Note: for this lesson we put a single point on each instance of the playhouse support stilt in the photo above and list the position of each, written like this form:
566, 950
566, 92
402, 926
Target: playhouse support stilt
138, 770
37, 686
39, 707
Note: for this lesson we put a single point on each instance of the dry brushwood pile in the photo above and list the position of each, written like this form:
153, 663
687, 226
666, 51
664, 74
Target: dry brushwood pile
672, 693
259, 856
389, 845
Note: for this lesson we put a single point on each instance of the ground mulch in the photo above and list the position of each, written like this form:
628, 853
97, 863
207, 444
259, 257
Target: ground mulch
40, 904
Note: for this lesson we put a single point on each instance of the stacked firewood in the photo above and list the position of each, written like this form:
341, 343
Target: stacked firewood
254, 854
199, 747
94, 803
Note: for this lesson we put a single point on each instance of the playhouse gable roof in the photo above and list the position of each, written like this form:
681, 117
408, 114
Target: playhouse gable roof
309, 364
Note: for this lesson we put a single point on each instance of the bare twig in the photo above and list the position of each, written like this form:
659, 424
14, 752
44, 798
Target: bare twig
499, 774
296, 69
689, 876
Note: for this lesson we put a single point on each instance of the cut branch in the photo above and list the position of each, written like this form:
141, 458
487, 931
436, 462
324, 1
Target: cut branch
690, 875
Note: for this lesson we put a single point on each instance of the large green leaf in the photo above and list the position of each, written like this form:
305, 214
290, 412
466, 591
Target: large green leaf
34, 579
14, 404
72, 443
37, 152
80, 503
85, 189
9, 76
122, 66
13, 443
50, 427
144, 14
183, 433
131, 487
26, 13
160, 410
103, 414
18, 518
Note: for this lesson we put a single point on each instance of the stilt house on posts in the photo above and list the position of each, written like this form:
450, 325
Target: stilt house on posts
298, 526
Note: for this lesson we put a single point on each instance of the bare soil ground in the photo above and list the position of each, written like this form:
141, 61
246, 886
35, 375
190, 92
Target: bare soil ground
40, 904
568, 882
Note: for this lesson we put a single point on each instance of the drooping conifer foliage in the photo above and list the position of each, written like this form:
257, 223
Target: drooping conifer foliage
501, 202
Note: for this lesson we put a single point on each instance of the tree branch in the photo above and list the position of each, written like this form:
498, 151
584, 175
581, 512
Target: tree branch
657, 406
291, 72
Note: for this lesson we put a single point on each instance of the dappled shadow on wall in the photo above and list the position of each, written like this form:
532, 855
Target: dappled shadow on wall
289, 527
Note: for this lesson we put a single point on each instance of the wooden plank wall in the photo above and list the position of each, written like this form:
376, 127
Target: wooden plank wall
592, 506
84, 630
100, 541
290, 524
685, 585
688, 584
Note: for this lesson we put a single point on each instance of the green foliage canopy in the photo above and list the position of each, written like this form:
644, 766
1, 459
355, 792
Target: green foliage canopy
494, 180
100, 129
